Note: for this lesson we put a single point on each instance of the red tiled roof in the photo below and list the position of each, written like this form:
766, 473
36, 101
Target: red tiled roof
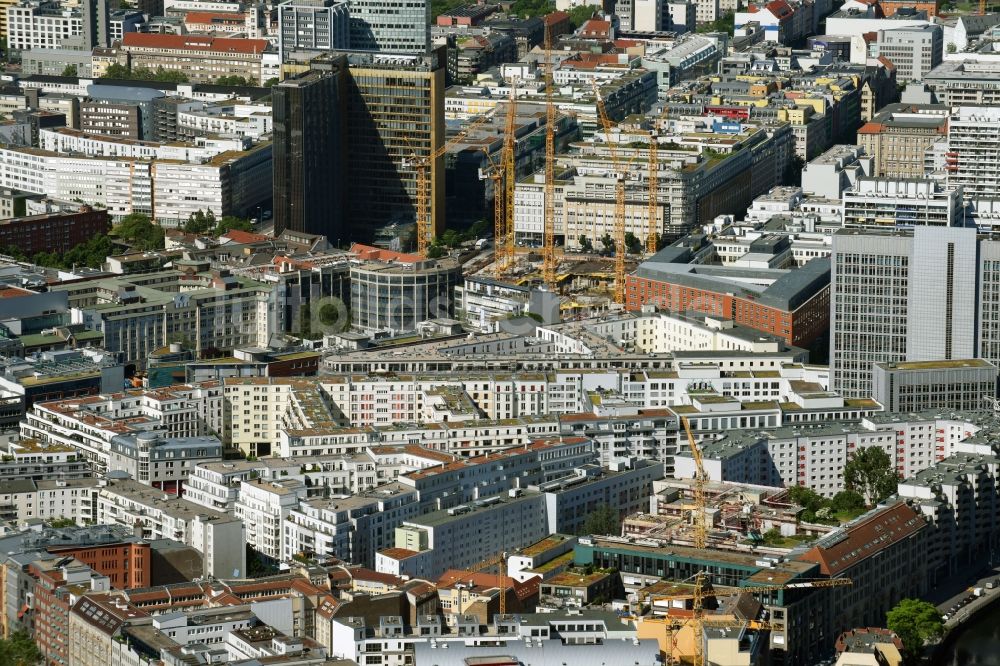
596, 26
370, 253
363, 574
204, 43
238, 236
15, 292
871, 128
866, 539
555, 17
213, 17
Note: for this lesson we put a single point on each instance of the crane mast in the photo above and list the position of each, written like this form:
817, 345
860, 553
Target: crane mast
421, 164
549, 210
619, 229
510, 175
652, 234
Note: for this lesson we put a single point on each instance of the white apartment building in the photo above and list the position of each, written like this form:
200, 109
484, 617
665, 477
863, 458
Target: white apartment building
351, 528
226, 119
43, 25
230, 183
523, 638
67, 140
217, 536
464, 535
217, 485
90, 424
162, 462
815, 456
973, 150
263, 507
75, 500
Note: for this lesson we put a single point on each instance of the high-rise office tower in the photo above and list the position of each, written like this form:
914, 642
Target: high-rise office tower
927, 295
349, 138
395, 122
392, 26
308, 156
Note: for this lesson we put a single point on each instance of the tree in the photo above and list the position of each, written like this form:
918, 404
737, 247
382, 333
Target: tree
869, 471
532, 8
915, 622
451, 238
608, 243
809, 500
271, 82
200, 222
585, 243
602, 520
724, 23
19, 650
435, 251
231, 222
951, 47
140, 232
234, 80
632, 243
847, 501
70, 71
581, 14
117, 71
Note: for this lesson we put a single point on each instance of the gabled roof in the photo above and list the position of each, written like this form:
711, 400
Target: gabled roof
866, 538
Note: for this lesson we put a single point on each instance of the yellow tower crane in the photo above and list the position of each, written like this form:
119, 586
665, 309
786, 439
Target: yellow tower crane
420, 164
549, 205
700, 479
510, 174
499, 561
653, 181
698, 620
504, 177
619, 235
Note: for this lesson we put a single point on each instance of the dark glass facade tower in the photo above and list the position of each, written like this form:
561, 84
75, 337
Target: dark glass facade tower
308, 155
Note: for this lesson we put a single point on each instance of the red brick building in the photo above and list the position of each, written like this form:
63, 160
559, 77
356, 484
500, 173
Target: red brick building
127, 565
53, 232
791, 304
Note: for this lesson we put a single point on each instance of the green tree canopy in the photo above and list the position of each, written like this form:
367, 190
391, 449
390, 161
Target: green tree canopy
632, 243
581, 14
235, 80
200, 222
608, 242
724, 23
70, 71
870, 472
602, 520
140, 232
19, 650
118, 71
585, 243
230, 223
915, 622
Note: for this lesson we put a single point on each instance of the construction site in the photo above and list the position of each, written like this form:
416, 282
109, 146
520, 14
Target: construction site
588, 270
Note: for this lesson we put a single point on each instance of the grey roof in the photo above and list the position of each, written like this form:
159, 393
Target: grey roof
124, 93
789, 289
